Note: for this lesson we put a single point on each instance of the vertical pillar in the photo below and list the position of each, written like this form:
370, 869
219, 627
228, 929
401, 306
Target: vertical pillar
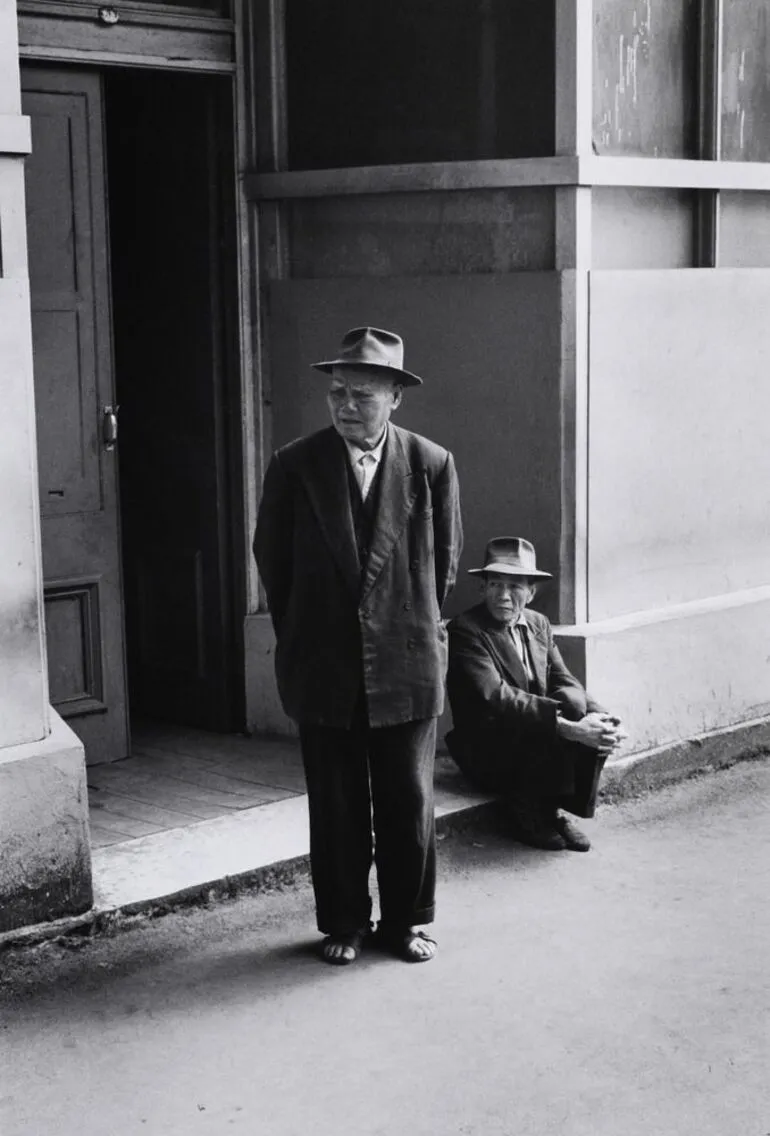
707, 206
574, 77
45, 867
23, 687
574, 117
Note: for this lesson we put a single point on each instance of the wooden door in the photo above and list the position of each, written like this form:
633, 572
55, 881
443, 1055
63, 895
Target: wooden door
69, 281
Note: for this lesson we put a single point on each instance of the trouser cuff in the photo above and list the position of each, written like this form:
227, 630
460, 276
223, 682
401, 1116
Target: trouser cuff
415, 918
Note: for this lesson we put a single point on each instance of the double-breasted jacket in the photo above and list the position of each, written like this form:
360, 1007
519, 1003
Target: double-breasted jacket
343, 629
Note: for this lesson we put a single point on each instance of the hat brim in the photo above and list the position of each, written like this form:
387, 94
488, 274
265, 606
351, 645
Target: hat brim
395, 374
509, 570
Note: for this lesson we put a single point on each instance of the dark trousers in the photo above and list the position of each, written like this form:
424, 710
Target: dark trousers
361, 775
543, 770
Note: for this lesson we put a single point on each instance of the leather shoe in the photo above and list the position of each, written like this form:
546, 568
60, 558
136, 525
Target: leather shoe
574, 837
531, 828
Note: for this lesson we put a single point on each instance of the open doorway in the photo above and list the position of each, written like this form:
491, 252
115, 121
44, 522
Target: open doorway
171, 181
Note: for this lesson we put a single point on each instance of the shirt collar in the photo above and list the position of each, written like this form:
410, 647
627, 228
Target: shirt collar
355, 452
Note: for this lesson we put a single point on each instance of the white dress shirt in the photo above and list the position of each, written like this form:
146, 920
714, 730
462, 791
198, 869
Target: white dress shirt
364, 463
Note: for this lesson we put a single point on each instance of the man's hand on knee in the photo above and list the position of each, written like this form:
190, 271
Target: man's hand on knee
596, 730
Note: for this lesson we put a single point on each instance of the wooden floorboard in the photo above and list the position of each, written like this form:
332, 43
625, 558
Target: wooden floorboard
152, 793
198, 772
178, 777
103, 801
127, 827
102, 837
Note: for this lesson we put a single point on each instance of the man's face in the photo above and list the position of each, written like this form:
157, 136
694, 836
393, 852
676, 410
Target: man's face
506, 596
361, 403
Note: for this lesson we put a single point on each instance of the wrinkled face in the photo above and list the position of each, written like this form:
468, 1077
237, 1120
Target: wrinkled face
360, 403
506, 596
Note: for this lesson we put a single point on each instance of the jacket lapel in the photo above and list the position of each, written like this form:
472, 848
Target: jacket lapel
326, 482
501, 646
538, 653
395, 501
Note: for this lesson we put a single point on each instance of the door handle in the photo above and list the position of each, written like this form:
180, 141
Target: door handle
110, 426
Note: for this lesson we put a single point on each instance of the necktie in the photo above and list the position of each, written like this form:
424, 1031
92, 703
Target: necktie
519, 637
364, 470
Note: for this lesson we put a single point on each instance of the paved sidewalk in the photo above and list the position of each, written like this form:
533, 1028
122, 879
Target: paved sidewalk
622, 993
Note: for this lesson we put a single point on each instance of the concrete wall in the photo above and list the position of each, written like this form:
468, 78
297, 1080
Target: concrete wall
679, 465
417, 234
744, 230
641, 228
45, 868
45, 858
694, 669
678, 500
23, 678
23, 683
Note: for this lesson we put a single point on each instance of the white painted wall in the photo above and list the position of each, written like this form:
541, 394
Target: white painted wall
10, 91
694, 669
23, 677
679, 420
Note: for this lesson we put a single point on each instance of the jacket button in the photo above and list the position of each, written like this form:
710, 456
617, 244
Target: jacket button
407, 606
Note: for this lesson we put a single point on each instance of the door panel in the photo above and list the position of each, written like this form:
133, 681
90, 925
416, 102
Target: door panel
69, 282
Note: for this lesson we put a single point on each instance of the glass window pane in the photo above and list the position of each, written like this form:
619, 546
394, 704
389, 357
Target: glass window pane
438, 80
645, 68
746, 81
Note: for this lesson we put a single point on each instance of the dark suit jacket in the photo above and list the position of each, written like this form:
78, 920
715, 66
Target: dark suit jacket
339, 630
487, 683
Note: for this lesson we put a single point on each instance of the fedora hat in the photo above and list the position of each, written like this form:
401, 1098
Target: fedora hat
511, 556
374, 349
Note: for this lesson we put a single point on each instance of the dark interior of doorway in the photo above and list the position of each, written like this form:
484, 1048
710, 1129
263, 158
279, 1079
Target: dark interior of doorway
170, 168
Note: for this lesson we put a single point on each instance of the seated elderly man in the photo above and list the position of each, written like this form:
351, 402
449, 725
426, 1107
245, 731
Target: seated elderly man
524, 727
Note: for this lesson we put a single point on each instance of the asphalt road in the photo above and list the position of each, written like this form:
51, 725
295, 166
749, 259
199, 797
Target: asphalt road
619, 993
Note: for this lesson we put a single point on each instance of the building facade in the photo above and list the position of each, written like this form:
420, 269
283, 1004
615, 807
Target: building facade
563, 207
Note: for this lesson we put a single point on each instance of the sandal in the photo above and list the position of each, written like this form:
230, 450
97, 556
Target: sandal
354, 940
401, 942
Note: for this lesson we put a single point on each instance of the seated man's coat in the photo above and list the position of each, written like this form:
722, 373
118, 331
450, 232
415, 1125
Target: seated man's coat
504, 723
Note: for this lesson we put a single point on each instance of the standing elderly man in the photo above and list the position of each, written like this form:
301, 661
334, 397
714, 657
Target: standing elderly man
357, 542
524, 727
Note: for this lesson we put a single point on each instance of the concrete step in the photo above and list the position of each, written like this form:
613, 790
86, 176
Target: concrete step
263, 846
267, 845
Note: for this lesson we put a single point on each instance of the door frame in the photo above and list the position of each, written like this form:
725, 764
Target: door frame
59, 32
135, 34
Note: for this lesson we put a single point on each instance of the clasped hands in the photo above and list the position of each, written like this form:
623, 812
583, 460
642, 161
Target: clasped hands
597, 730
